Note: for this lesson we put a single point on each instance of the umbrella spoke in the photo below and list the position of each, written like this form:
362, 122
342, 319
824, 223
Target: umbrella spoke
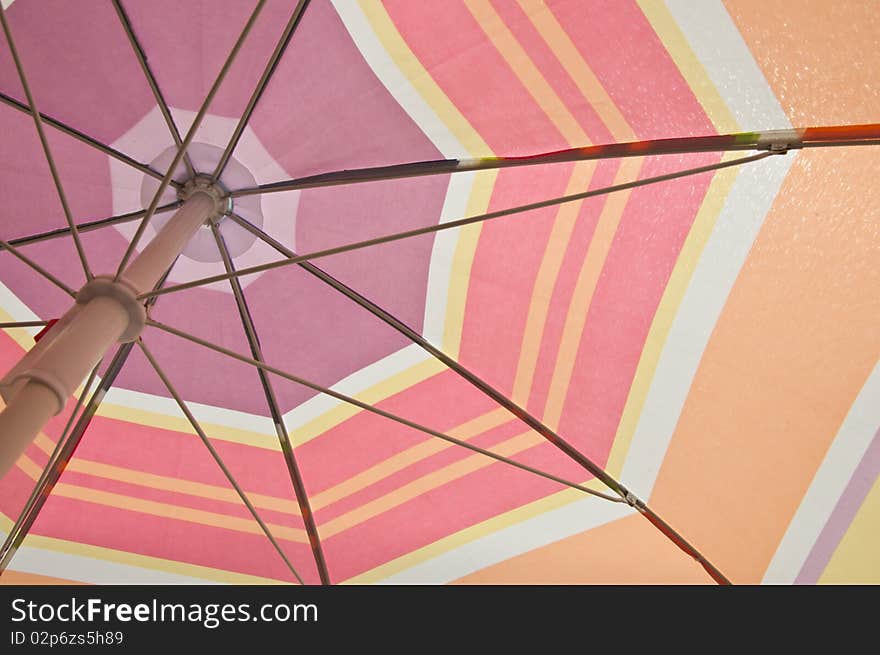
277, 417
498, 397
459, 223
16, 534
151, 80
84, 138
23, 324
38, 122
56, 467
4, 245
90, 226
190, 135
777, 141
226, 472
61, 456
295, 18
379, 412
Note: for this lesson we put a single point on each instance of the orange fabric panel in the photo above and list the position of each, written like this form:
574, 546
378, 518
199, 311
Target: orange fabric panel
810, 51
19, 578
626, 551
794, 345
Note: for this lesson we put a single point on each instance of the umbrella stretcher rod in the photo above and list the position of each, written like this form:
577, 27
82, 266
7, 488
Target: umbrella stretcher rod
105, 312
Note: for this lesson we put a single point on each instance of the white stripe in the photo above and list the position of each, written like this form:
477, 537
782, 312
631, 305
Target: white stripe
716, 42
443, 255
421, 113
16, 309
719, 265
93, 571
843, 457
203, 413
571, 519
357, 382
740, 220
742, 86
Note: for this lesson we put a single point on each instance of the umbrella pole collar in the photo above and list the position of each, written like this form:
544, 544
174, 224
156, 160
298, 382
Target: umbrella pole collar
106, 311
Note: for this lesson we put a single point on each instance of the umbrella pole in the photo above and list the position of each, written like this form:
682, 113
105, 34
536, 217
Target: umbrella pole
106, 311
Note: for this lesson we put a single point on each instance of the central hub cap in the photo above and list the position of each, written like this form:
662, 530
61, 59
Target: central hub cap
202, 247
201, 183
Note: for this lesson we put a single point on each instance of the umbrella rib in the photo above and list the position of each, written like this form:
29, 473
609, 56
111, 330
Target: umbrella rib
23, 324
293, 470
776, 141
38, 122
5, 245
14, 539
61, 456
190, 135
53, 473
379, 412
458, 223
280, 48
151, 80
219, 461
89, 226
498, 397
85, 138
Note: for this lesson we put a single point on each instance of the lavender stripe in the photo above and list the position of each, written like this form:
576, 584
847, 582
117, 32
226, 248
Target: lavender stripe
844, 512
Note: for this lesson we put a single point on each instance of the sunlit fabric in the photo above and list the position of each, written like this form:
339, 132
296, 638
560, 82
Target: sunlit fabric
710, 341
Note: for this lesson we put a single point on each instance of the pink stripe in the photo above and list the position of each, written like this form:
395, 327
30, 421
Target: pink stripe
619, 45
553, 71
648, 241
563, 289
452, 46
181, 541
440, 402
507, 260
415, 471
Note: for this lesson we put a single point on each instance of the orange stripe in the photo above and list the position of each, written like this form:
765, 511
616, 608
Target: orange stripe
11, 577
164, 510
427, 483
566, 52
542, 292
626, 551
524, 68
819, 59
789, 353
582, 297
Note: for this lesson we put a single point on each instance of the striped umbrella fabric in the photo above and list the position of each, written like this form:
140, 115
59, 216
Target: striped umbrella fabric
501, 291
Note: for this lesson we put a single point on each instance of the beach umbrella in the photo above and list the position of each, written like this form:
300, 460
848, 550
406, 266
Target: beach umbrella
534, 291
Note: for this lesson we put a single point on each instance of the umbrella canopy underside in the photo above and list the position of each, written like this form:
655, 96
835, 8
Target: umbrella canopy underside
710, 341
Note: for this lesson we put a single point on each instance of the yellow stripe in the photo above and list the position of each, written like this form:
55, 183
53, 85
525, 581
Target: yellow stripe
690, 67
524, 68
136, 560
679, 280
166, 483
410, 456
545, 283
468, 236
582, 297
164, 510
566, 52
428, 482
372, 475
856, 560
21, 336
466, 536
421, 80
